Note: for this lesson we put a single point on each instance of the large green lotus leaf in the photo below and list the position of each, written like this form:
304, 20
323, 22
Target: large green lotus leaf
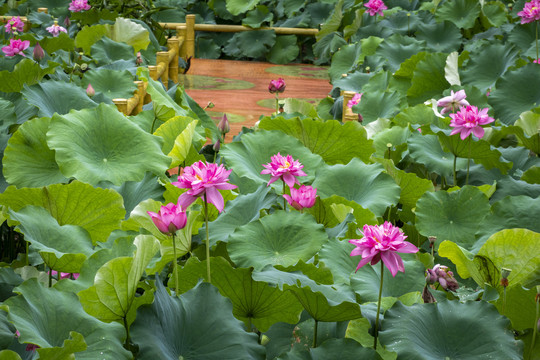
518, 250
247, 157
367, 280
500, 58
358, 329
112, 297
365, 184
391, 143
240, 211
336, 143
516, 93
74, 344
129, 32
181, 328
398, 48
253, 302
412, 186
63, 248
89, 35
46, 316
480, 150
253, 44
335, 255
164, 106
442, 37
26, 72
344, 349
520, 307
418, 114
512, 212
9, 355
237, 7
528, 131
471, 330
463, 13
332, 24
282, 238
28, 161
427, 150
98, 211
111, 83
480, 271
134, 192
323, 302
284, 51
343, 61
106, 51
378, 104
60, 42
101, 144
493, 14
59, 97
182, 140
428, 79
257, 16
9, 116
407, 67
455, 216
532, 175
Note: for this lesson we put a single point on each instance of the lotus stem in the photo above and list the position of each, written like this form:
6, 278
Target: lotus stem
27, 253
455, 177
153, 123
468, 161
175, 264
378, 309
277, 103
537, 317
504, 300
284, 200
537, 41
50, 276
128, 340
207, 240
315, 334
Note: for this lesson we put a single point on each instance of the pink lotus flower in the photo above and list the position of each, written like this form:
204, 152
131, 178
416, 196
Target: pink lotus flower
441, 274
14, 24
276, 86
29, 347
530, 12
16, 47
171, 218
56, 29
453, 101
79, 5
382, 242
355, 100
537, 61
375, 7
285, 168
303, 197
204, 179
468, 120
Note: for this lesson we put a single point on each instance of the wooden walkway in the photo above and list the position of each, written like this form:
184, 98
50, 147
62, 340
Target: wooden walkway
240, 88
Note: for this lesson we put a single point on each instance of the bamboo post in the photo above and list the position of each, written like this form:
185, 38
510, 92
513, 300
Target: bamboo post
190, 36
122, 105
348, 115
162, 65
181, 35
43, 10
173, 45
141, 92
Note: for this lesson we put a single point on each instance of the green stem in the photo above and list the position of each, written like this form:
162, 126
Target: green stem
27, 254
207, 240
128, 340
284, 200
277, 103
537, 41
468, 161
455, 177
315, 333
535, 326
153, 123
378, 309
50, 276
504, 300
175, 264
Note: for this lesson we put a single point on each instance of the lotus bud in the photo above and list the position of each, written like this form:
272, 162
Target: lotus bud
432, 240
276, 86
217, 145
67, 22
38, 53
224, 125
504, 276
90, 90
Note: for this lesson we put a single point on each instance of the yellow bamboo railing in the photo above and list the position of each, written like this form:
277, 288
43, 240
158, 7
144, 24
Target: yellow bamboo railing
348, 115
